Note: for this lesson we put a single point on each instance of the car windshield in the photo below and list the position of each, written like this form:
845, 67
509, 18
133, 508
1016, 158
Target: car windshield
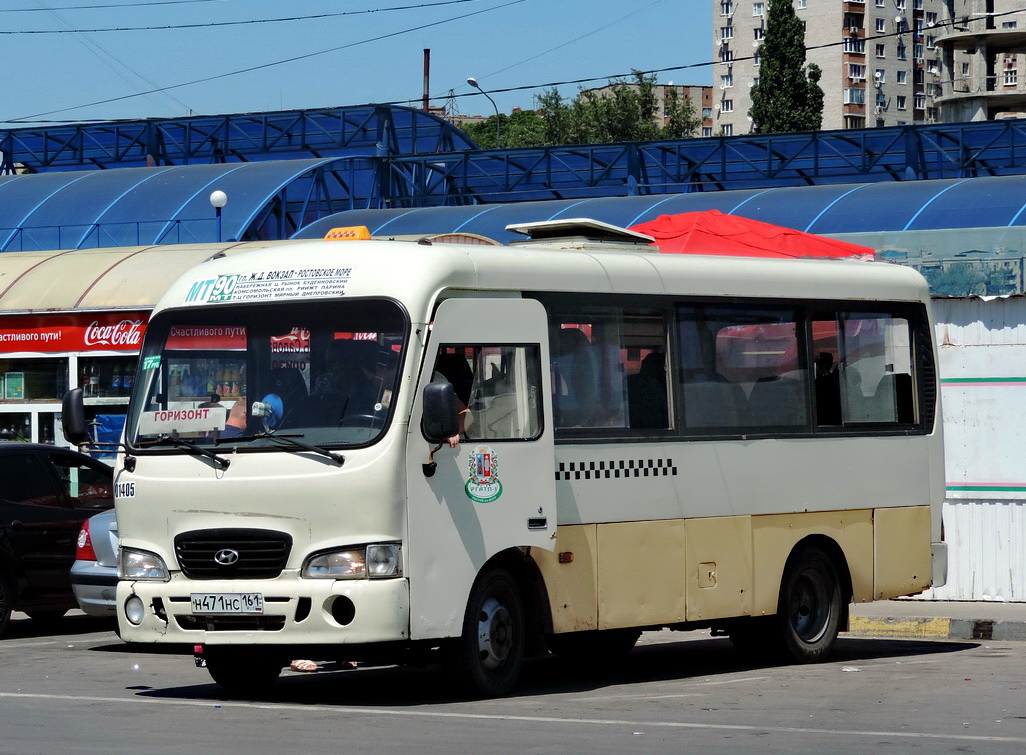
223, 377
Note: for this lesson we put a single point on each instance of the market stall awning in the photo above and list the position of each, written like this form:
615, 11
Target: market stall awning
712, 232
98, 279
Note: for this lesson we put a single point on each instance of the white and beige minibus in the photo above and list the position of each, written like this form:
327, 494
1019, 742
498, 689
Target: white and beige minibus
388, 450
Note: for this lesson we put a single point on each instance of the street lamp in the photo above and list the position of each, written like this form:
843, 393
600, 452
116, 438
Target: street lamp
218, 199
473, 82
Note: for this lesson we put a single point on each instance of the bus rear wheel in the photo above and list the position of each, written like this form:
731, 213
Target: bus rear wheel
490, 652
809, 611
240, 671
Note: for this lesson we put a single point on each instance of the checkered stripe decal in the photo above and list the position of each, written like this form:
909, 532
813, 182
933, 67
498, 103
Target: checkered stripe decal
606, 470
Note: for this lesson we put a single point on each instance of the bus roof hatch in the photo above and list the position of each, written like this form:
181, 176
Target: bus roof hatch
581, 233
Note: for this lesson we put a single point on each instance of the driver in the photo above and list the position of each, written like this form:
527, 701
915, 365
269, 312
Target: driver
235, 425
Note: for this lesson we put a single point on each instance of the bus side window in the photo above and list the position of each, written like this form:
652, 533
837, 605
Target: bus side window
878, 350
863, 369
609, 369
709, 399
742, 369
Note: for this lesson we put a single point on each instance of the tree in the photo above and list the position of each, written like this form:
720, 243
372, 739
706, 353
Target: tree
521, 128
558, 118
624, 112
787, 97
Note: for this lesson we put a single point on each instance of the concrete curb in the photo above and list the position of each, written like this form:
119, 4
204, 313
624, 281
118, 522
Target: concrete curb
915, 628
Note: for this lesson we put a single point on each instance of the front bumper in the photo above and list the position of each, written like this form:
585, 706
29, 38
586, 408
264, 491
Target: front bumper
296, 612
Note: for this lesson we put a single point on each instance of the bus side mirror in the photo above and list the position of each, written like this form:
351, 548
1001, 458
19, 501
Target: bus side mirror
441, 419
73, 418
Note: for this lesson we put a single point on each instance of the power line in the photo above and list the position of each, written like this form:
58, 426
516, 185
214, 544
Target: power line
121, 6
577, 39
262, 66
120, 68
213, 24
526, 87
502, 90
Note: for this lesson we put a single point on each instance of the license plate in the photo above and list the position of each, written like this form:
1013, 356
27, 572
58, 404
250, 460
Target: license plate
227, 602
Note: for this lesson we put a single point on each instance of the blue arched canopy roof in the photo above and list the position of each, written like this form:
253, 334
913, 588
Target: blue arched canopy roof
139, 206
836, 209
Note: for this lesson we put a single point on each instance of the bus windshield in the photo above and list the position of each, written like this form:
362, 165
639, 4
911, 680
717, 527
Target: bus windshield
238, 376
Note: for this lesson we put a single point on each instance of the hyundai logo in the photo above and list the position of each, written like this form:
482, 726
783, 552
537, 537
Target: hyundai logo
226, 557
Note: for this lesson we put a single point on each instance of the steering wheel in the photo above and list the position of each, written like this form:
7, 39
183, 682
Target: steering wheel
361, 420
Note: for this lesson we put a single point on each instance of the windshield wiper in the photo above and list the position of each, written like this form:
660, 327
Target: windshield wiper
219, 461
288, 441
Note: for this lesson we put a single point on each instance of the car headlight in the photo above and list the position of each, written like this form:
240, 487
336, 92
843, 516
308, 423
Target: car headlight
141, 566
370, 562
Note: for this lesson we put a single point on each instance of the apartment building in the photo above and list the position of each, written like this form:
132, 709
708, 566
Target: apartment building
880, 59
984, 49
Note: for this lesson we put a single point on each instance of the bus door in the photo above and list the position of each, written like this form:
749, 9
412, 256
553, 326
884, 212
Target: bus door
495, 489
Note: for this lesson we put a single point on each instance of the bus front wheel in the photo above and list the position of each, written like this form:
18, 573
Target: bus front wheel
490, 652
809, 612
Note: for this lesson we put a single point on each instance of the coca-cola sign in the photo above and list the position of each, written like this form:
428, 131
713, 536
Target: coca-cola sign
56, 333
124, 334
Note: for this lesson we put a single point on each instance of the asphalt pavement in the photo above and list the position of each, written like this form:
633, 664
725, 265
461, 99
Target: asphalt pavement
942, 620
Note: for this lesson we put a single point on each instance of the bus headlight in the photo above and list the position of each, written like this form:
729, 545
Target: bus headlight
373, 561
143, 566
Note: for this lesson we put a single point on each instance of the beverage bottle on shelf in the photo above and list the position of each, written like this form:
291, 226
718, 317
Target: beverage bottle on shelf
115, 380
128, 378
94, 380
83, 382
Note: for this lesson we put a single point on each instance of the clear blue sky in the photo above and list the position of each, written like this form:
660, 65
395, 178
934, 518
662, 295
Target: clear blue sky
504, 44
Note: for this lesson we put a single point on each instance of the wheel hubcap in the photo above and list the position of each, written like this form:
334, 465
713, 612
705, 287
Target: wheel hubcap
808, 609
494, 634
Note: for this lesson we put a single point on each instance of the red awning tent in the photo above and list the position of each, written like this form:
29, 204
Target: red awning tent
712, 232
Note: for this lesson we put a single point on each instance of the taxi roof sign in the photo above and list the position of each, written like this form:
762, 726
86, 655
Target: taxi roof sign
348, 233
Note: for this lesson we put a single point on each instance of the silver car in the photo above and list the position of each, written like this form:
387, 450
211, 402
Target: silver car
94, 575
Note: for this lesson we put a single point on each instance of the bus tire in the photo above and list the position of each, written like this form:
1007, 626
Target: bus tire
588, 646
239, 671
809, 611
490, 652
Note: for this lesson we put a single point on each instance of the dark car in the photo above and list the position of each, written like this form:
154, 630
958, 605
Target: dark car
46, 493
